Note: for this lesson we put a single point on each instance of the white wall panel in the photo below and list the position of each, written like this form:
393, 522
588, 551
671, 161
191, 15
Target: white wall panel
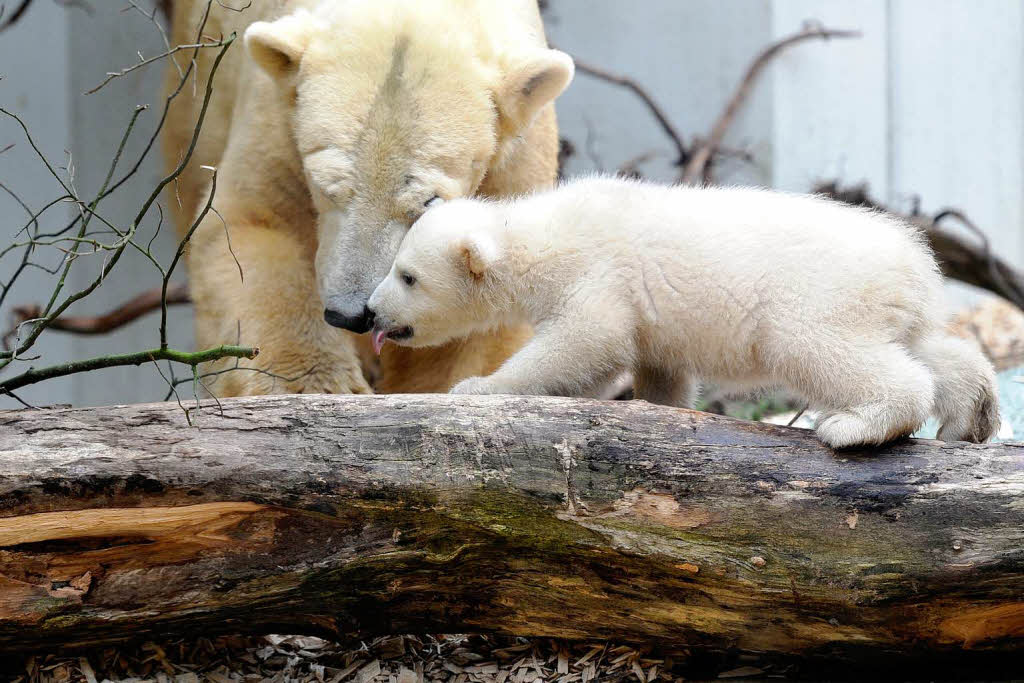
689, 55
958, 111
830, 98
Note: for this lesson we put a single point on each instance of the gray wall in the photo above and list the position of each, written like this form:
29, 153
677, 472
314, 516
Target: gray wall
688, 55
927, 106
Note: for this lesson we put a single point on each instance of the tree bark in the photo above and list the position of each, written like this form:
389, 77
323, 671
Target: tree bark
578, 519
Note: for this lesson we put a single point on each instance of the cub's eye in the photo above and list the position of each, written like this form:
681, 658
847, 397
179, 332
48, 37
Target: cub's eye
408, 279
433, 201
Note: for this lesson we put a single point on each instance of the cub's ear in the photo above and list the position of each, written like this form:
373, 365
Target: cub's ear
532, 82
477, 253
277, 46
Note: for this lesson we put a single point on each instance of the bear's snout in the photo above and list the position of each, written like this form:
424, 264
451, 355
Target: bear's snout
359, 323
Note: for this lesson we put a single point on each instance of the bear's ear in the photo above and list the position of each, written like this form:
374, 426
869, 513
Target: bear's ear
532, 82
277, 46
477, 253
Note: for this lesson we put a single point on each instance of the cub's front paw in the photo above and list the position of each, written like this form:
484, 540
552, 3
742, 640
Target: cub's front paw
475, 385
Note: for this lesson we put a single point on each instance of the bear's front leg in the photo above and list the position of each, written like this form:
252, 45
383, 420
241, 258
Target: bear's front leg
570, 356
275, 307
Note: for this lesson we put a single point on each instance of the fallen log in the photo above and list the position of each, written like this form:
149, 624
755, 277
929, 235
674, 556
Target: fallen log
351, 516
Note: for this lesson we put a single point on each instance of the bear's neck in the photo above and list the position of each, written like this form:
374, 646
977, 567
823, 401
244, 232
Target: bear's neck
535, 272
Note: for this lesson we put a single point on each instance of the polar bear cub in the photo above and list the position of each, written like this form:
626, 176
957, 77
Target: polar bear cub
743, 287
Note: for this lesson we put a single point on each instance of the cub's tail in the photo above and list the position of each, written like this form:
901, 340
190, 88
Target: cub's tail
966, 396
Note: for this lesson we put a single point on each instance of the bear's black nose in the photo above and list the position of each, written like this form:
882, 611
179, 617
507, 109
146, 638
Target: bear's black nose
353, 323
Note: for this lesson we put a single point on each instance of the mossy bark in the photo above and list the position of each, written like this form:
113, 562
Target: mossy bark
346, 516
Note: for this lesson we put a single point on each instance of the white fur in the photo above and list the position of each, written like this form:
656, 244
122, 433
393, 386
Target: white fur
396, 102
742, 287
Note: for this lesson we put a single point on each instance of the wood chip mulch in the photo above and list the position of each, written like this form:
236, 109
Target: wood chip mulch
389, 659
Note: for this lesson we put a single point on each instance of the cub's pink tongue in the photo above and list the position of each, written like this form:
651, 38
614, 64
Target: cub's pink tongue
379, 337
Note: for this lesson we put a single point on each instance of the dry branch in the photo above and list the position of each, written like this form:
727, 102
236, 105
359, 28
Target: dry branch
659, 114
125, 239
698, 163
133, 309
191, 358
350, 516
959, 259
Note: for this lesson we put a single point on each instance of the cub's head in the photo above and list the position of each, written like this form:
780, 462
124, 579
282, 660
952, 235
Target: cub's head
443, 280
393, 105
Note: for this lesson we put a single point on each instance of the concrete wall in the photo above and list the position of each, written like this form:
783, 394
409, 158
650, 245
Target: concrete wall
928, 106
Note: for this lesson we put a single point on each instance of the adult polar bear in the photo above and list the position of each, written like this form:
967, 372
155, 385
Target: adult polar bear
331, 131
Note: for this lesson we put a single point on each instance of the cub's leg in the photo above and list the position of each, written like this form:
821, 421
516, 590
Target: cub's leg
966, 393
665, 386
871, 393
570, 356
436, 369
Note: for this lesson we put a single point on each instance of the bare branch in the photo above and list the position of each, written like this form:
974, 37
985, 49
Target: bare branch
38, 318
146, 62
7, 356
15, 15
131, 310
697, 165
958, 259
85, 216
655, 109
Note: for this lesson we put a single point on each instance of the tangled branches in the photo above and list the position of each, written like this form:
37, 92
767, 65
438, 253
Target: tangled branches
89, 233
696, 159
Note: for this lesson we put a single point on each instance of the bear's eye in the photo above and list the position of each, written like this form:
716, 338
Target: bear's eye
433, 201
408, 279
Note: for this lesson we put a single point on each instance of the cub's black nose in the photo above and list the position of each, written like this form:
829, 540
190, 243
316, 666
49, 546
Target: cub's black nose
353, 323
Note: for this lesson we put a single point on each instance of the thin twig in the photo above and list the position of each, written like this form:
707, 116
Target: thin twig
20, 400
239, 368
683, 154
151, 17
797, 416
698, 163
174, 389
146, 62
181, 250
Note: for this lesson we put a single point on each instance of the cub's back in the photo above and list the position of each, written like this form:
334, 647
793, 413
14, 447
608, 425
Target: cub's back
790, 257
